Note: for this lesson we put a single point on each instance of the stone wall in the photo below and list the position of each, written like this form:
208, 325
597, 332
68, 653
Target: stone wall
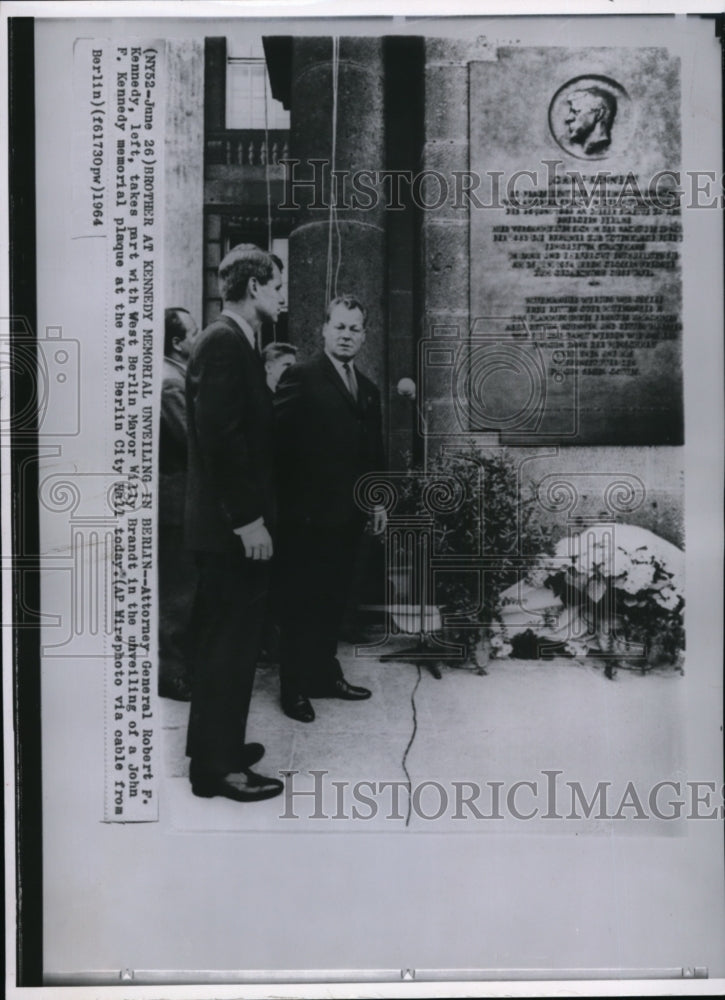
636, 483
184, 176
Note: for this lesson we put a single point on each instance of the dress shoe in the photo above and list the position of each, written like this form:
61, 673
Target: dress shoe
341, 689
241, 786
298, 708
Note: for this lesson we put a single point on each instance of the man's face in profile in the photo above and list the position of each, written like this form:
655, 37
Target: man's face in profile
275, 368
344, 332
584, 113
270, 297
183, 347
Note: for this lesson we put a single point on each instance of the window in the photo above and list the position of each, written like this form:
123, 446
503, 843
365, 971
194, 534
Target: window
247, 88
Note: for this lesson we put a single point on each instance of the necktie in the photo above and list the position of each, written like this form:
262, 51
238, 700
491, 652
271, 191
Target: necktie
350, 379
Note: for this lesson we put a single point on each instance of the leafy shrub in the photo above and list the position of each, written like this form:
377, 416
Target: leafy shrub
479, 515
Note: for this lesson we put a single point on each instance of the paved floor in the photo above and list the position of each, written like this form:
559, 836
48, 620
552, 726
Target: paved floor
523, 718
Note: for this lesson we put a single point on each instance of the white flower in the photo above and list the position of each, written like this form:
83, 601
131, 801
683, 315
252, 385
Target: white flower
576, 647
538, 575
588, 550
668, 598
639, 576
613, 549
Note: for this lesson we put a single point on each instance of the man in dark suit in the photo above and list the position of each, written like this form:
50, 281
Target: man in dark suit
177, 569
230, 512
277, 357
329, 433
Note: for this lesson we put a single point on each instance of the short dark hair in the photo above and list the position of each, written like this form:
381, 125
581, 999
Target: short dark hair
174, 326
245, 261
278, 350
350, 302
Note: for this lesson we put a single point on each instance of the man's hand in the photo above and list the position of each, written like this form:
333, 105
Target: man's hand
256, 540
378, 520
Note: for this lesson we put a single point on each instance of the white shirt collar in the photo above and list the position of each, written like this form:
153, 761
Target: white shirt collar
338, 367
176, 363
244, 324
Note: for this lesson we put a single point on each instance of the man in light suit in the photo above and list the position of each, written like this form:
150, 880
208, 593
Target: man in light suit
230, 514
329, 433
177, 569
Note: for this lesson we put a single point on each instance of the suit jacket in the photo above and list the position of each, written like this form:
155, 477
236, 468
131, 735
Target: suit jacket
229, 411
325, 441
172, 444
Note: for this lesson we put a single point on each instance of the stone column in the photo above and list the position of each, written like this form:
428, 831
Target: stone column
358, 235
404, 110
445, 231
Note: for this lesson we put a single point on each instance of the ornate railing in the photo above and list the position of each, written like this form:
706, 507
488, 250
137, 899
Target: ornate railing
246, 147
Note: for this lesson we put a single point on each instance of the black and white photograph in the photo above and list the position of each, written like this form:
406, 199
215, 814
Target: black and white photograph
363, 437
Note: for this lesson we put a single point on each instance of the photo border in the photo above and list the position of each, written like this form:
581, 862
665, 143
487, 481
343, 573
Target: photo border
24, 580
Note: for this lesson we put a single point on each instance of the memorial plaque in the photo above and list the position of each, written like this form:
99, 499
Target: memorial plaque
575, 247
